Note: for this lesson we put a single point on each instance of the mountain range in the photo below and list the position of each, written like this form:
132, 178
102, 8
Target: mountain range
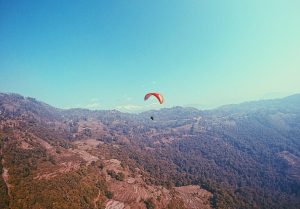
235, 156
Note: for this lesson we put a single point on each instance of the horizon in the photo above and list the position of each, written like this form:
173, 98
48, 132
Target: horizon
153, 109
108, 55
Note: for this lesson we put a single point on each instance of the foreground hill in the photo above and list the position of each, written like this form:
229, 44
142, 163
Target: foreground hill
236, 156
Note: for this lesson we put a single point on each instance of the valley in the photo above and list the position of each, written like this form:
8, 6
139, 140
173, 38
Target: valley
238, 156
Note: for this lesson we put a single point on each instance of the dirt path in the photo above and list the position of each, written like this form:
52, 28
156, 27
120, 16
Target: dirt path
96, 199
5, 177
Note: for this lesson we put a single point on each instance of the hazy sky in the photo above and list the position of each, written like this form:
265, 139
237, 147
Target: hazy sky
107, 54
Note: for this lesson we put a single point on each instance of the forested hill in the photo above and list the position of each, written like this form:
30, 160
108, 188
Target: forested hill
236, 156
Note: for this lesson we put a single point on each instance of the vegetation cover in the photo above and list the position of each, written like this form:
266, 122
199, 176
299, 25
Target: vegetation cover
245, 156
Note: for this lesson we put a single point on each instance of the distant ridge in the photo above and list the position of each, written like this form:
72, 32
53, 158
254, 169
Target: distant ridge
288, 100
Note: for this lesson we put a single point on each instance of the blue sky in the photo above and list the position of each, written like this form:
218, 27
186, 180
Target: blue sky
108, 54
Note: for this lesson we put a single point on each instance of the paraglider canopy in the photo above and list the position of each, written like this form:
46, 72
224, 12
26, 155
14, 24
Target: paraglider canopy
158, 96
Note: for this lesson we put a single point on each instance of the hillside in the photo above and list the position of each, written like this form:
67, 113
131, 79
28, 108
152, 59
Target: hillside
236, 156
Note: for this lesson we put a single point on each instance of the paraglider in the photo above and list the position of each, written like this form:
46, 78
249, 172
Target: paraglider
158, 96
